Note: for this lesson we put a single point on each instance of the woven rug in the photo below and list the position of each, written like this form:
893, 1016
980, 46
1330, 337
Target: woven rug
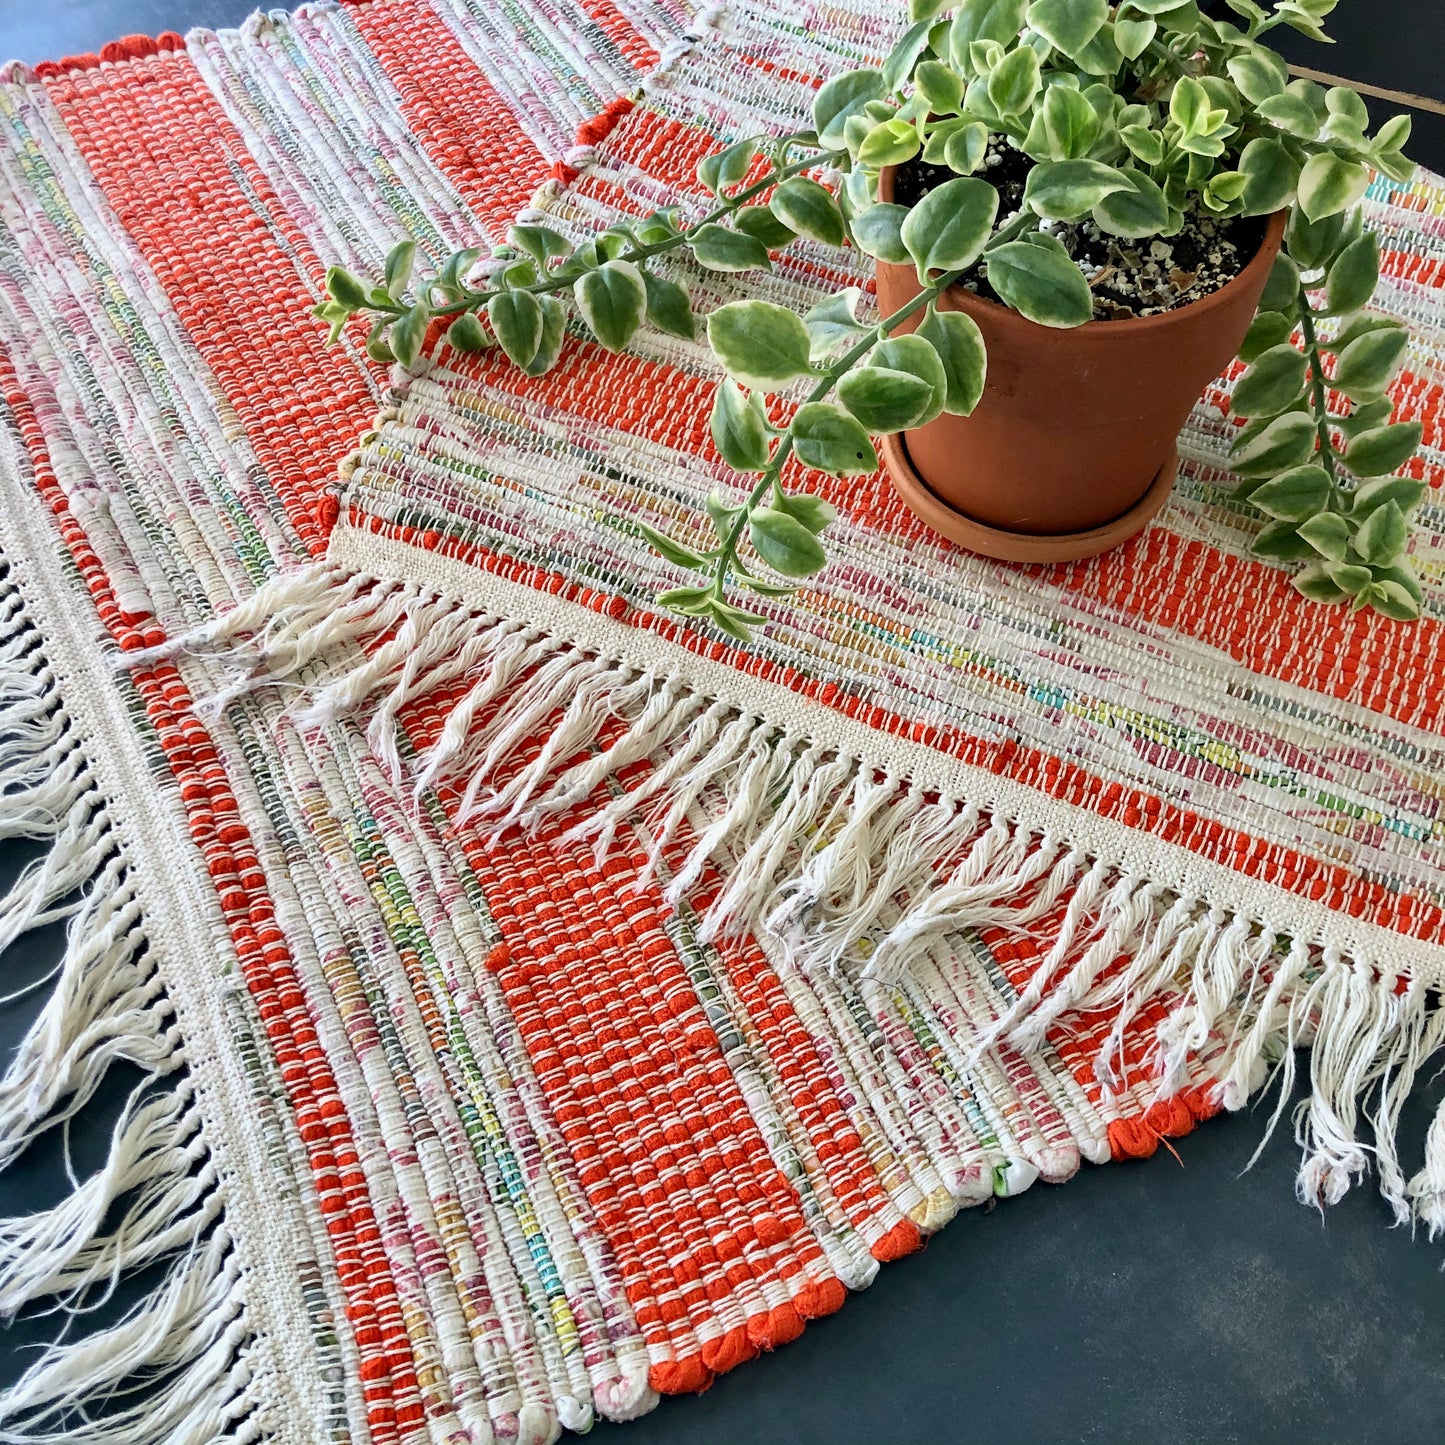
549, 1003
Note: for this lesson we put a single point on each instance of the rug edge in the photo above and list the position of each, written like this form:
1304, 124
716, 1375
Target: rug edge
240, 1229
1171, 864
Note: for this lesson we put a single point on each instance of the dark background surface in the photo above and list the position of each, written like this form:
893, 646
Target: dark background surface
1168, 1302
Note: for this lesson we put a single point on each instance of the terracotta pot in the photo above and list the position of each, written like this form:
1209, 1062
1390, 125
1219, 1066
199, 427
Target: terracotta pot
1071, 448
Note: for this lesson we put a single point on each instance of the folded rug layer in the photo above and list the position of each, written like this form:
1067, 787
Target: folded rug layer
551, 1003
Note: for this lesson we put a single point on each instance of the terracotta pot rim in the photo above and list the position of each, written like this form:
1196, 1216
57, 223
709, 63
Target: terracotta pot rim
1004, 316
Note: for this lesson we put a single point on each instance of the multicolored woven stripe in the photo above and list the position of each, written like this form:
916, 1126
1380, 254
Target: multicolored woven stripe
549, 1006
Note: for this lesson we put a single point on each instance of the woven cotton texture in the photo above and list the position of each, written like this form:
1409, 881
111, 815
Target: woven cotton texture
550, 1004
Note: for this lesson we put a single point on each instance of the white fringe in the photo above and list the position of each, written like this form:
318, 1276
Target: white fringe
186, 1341
153, 1148
1426, 1191
183, 1349
851, 869
107, 1005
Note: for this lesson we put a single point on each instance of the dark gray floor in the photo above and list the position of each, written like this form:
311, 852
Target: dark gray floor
1394, 44
32, 30
1160, 1303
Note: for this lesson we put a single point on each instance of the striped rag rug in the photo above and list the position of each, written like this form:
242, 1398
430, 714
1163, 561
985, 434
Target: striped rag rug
547, 1003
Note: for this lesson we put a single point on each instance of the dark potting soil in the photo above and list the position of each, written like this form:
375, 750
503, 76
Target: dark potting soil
1129, 278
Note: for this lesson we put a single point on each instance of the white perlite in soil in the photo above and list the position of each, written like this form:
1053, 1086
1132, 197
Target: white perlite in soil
1129, 278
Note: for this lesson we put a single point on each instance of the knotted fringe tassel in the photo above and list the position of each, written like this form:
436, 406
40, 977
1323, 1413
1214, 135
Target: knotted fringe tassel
849, 868
181, 1355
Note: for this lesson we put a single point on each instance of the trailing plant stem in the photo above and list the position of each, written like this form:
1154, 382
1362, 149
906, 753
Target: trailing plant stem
771, 478
474, 300
1318, 393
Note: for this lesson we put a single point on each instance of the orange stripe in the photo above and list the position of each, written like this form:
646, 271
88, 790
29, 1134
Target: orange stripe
780, 1031
235, 269
1423, 270
665, 151
705, 1228
1393, 668
130, 47
622, 33
781, 72
651, 400
467, 128
801, 1072
1133, 1130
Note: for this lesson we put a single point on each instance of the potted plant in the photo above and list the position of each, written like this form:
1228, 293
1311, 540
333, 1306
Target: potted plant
1079, 213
